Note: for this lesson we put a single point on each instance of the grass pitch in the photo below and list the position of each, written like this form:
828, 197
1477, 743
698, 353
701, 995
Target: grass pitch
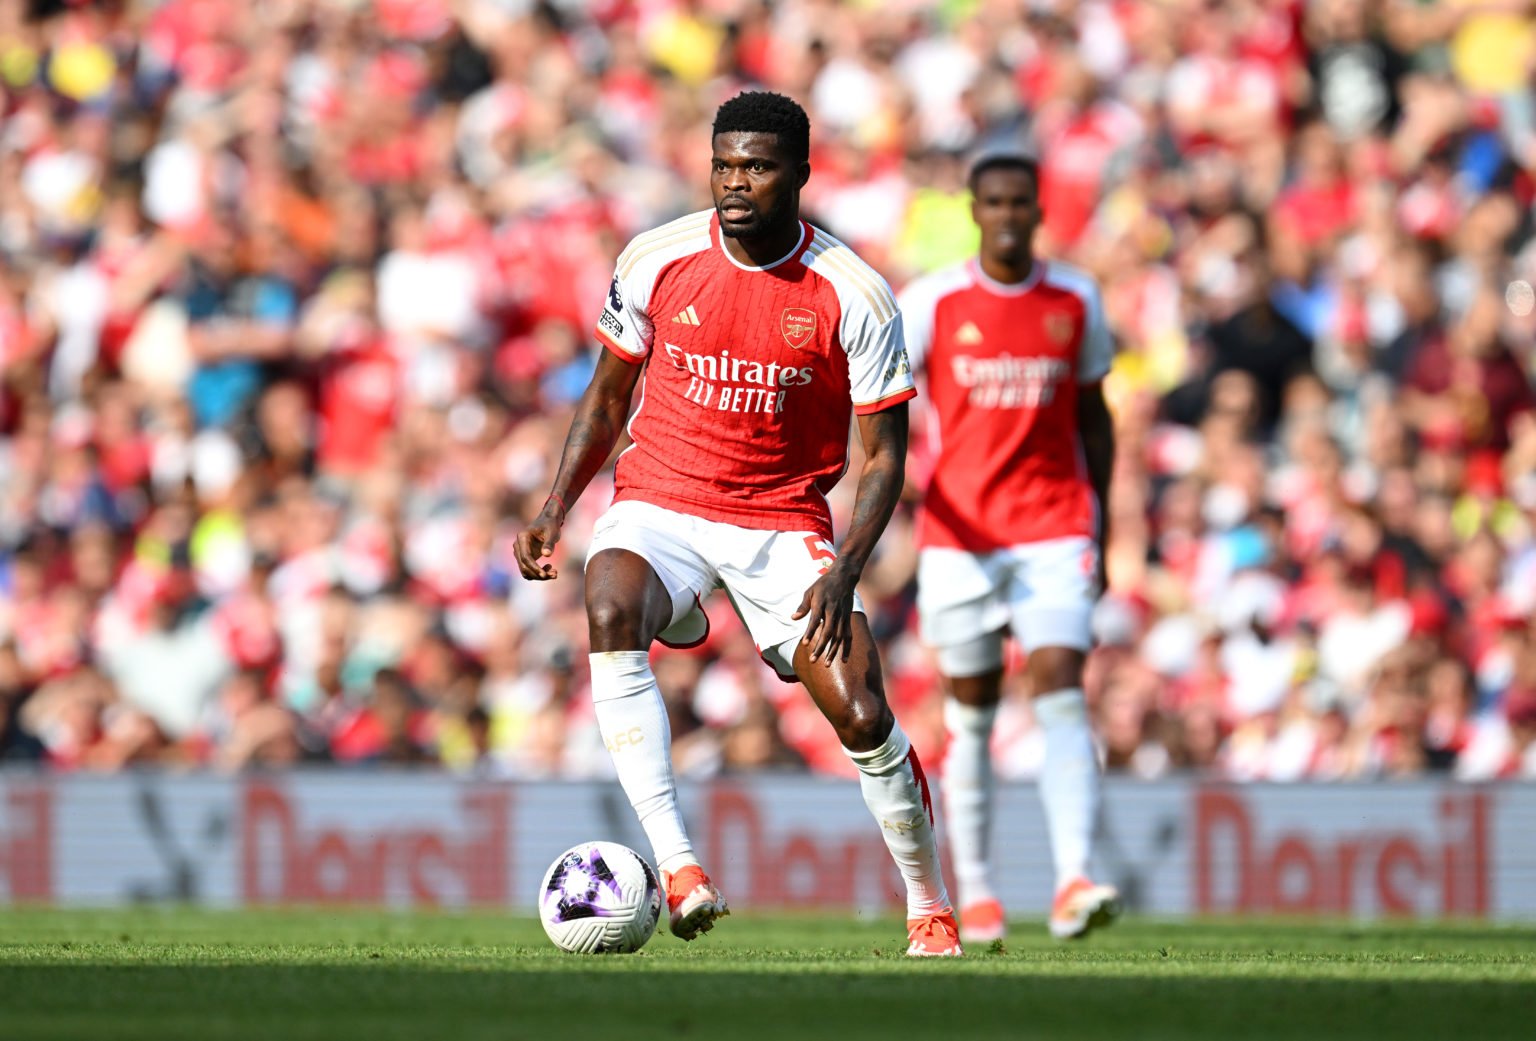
294, 976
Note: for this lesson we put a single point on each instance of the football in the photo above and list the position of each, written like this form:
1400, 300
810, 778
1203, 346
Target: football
599, 898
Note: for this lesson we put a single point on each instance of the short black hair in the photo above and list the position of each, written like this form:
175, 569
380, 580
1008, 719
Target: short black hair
1004, 161
764, 112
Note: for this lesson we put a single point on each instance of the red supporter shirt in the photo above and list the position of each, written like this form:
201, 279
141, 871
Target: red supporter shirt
752, 374
1004, 363
1076, 155
359, 384
1316, 213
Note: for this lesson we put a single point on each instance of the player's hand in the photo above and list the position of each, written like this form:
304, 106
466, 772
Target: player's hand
829, 606
538, 541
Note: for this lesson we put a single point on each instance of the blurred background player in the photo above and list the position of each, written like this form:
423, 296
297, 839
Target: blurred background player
759, 337
1012, 535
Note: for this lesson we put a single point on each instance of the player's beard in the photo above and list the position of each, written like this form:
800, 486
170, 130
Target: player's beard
762, 224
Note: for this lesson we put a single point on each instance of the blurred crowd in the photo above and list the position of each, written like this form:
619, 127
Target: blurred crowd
296, 298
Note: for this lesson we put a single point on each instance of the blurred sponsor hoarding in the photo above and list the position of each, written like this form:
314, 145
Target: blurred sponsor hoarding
428, 840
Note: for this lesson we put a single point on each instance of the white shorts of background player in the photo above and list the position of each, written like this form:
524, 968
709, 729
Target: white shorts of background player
765, 573
1041, 592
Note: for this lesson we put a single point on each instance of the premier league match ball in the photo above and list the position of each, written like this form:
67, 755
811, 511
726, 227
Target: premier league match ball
599, 898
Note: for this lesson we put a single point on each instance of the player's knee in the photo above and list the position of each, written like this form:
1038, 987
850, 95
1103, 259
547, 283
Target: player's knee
614, 625
1055, 668
864, 725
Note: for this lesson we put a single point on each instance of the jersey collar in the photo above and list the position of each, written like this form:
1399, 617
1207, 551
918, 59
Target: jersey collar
986, 281
800, 246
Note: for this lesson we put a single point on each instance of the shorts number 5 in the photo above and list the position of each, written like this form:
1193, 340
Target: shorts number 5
820, 551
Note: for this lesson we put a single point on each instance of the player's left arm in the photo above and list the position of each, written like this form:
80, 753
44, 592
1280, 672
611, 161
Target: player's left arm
880, 383
1095, 425
829, 601
1096, 430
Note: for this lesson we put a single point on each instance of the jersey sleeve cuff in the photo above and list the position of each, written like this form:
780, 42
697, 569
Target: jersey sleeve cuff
613, 345
881, 404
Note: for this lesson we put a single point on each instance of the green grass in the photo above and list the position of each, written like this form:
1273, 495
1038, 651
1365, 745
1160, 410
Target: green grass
293, 976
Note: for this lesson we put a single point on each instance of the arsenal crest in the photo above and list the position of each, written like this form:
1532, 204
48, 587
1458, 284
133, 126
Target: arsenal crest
1058, 327
798, 324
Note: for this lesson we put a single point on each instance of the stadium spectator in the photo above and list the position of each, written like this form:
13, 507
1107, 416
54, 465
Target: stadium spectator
293, 300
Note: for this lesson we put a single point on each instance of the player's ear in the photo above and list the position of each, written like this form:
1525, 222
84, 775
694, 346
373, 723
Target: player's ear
804, 174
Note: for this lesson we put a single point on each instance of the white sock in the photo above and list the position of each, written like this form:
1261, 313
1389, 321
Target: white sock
967, 776
633, 721
1069, 783
896, 792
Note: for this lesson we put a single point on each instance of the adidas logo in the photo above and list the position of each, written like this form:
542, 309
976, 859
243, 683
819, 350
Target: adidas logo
688, 316
967, 335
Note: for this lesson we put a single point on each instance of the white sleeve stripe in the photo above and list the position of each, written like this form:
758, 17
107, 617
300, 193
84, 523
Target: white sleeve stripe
668, 246
663, 230
645, 245
1079, 283
879, 297
837, 264
856, 267
627, 268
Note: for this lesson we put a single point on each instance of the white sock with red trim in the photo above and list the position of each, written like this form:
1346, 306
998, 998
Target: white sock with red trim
967, 786
896, 792
1069, 780
633, 721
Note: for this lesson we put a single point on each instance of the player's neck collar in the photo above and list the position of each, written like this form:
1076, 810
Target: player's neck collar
714, 231
1036, 273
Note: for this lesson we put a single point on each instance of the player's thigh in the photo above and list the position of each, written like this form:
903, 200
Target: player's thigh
962, 610
618, 594
1051, 595
766, 575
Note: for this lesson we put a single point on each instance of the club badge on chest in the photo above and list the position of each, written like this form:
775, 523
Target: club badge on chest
798, 324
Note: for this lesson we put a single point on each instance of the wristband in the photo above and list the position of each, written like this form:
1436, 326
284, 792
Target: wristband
559, 501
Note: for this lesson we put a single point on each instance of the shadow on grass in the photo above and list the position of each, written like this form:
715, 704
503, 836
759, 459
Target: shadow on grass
40, 1002
1225, 931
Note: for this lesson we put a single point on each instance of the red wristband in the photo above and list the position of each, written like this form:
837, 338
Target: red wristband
563, 507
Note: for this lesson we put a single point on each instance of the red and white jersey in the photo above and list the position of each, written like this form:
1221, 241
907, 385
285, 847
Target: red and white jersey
1004, 363
752, 374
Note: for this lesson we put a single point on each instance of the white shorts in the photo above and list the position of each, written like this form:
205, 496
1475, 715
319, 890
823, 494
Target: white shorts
1042, 592
765, 573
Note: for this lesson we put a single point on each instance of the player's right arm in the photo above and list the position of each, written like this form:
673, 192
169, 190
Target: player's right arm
595, 429
625, 330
